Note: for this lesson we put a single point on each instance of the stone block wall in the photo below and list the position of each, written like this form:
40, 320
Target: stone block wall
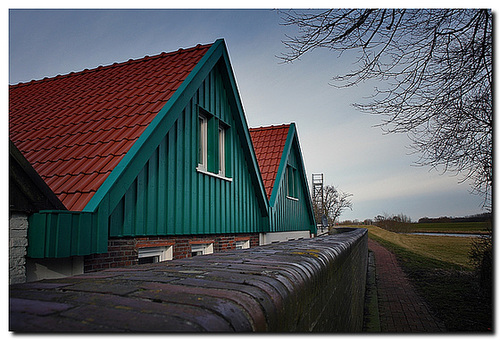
18, 241
309, 285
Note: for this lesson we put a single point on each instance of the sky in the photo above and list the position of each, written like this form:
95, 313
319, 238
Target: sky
336, 139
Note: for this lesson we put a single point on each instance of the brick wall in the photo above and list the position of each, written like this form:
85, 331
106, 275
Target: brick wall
309, 285
123, 252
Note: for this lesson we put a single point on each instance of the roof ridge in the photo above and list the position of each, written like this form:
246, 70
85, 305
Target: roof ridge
270, 127
114, 64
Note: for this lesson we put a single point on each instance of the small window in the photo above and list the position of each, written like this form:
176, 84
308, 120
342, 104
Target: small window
203, 142
155, 254
291, 182
202, 249
214, 155
243, 244
222, 151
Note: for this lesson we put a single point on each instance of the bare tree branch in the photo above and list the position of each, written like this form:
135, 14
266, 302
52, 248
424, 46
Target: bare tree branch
434, 72
335, 202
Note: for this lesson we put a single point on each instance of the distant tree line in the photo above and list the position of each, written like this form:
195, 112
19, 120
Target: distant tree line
398, 222
445, 219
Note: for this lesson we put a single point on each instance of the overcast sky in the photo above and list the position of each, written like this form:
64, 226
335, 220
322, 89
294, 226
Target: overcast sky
336, 139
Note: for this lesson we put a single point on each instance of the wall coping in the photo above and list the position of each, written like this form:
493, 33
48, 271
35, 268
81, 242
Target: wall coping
248, 290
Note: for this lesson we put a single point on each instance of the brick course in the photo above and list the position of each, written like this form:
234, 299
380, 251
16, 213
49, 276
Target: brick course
123, 252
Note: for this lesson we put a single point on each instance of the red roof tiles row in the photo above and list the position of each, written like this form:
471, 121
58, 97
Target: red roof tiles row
75, 128
269, 143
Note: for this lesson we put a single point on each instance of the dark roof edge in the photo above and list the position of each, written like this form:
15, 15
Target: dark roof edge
34, 177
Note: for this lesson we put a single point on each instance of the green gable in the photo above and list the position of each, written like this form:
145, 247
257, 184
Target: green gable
290, 203
172, 196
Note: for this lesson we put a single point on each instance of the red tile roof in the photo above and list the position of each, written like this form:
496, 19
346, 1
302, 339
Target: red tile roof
75, 128
269, 143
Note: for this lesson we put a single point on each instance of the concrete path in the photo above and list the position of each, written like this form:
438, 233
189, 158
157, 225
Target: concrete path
400, 307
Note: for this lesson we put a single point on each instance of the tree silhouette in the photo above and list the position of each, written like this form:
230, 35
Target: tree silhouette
433, 69
334, 203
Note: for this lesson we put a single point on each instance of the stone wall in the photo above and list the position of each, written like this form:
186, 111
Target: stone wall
18, 241
309, 285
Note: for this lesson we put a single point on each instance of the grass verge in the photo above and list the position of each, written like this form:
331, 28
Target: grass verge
449, 287
453, 250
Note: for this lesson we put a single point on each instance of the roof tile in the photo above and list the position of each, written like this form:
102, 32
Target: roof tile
75, 128
269, 143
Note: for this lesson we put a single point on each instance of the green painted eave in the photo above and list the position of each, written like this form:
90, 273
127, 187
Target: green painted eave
282, 167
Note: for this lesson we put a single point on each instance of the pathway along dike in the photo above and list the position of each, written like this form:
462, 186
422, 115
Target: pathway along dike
395, 306
310, 285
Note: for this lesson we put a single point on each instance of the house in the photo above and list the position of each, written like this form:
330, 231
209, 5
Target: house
149, 159
282, 168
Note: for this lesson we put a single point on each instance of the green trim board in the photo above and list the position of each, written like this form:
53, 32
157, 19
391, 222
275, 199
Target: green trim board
124, 173
279, 203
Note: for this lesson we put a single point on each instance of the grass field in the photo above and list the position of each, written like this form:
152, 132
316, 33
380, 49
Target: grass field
453, 250
453, 227
440, 270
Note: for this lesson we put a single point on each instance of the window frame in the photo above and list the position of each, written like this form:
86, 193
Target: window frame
213, 149
291, 183
202, 142
204, 248
222, 150
159, 254
242, 244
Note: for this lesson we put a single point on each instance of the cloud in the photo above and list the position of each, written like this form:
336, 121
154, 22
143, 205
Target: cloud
414, 182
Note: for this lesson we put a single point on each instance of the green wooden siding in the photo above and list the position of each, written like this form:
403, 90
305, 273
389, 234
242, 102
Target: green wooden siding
64, 233
170, 197
292, 214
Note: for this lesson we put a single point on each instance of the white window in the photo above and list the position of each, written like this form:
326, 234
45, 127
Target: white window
243, 244
291, 182
222, 151
202, 249
203, 142
155, 254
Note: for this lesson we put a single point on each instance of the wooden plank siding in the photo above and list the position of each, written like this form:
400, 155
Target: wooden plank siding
170, 197
289, 214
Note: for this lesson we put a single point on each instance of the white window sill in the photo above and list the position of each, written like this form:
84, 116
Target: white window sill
205, 172
292, 198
